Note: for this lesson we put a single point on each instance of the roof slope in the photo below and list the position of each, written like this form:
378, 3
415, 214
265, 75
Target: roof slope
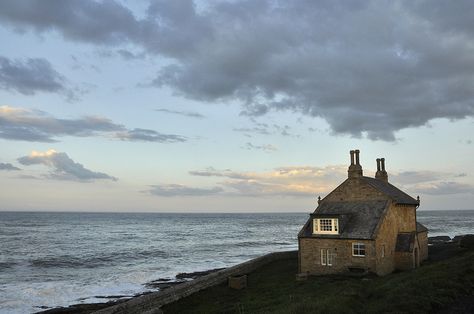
420, 227
395, 193
358, 220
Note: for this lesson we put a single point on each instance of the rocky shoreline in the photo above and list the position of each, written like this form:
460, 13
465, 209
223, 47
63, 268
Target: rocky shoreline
438, 243
160, 284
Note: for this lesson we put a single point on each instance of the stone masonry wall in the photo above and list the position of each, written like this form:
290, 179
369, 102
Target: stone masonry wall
385, 243
151, 303
341, 249
423, 240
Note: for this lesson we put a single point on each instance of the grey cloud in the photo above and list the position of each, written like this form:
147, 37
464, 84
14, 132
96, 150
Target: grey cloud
30, 76
369, 68
37, 126
128, 55
257, 130
190, 114
264, 147
170, 190
8, 167
62, 166
149, 136
411, 177
211, 172
444, 188
105, 22
383, 69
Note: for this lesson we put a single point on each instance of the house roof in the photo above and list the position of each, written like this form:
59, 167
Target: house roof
420, 228
357, 220
390, 190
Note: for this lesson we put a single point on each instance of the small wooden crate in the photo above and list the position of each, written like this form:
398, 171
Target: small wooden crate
238, 282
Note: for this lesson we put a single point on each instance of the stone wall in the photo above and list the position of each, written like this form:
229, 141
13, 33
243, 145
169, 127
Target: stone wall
404, 260
151, 303
423, 241
341, 249
386, 241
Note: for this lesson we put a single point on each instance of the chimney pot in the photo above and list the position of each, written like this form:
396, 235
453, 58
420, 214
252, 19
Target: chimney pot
357, 156
378, 164
382, 160
352, 157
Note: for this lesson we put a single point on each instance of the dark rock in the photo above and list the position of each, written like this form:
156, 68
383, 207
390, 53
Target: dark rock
196, 274
457, 238
467, 241
439, 239
158, 284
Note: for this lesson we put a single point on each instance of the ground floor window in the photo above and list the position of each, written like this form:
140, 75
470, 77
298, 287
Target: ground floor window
358, 249
327, 257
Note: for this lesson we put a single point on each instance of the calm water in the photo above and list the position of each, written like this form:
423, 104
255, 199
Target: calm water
57, 259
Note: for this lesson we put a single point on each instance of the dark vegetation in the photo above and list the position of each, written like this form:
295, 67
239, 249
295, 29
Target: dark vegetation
445, 284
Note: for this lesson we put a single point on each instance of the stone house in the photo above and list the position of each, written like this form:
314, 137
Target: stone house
364, 225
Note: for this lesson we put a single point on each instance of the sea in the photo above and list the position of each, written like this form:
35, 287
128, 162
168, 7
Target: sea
51, 259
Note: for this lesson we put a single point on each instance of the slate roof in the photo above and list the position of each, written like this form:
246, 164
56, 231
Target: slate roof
357, 220
405, 242
395, 193
420, 228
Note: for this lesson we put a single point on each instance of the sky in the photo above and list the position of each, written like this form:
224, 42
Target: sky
232, 106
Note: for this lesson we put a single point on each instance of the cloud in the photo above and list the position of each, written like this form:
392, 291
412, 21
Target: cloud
369, 68
411, 177
170, 190
265, 129
265, 147
431, 182
149, 136
190, 114
8, 167
31, 76
386, 67
300, 181
62, 166
38, 126
444, 188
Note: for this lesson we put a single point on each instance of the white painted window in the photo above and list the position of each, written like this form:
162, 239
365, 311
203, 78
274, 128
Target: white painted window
383, 251
325, 226
327, 258
358, 249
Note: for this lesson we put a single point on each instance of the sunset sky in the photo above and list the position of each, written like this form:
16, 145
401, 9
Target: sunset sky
232, 106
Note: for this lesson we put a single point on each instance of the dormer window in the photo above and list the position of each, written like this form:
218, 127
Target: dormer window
325, 226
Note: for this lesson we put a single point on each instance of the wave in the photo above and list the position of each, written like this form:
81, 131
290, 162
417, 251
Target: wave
105, 259
6, 265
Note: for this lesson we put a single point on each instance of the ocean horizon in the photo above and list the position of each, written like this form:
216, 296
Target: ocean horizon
50, 259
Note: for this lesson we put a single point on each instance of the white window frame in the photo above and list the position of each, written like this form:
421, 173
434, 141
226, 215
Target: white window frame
359, 247
322, 223
327, 258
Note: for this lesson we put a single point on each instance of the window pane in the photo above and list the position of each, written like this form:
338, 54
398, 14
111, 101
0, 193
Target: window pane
323, 257
330, 257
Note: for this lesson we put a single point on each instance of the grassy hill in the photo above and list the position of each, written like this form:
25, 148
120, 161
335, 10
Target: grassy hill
445, 284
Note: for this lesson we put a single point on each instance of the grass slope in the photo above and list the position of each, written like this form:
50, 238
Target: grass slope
273, 289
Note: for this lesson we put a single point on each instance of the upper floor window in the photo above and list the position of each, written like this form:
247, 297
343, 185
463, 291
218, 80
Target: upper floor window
358, 249
326, 226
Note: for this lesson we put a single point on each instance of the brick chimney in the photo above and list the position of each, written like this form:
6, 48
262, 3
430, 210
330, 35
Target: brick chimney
381, 174
355, 169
